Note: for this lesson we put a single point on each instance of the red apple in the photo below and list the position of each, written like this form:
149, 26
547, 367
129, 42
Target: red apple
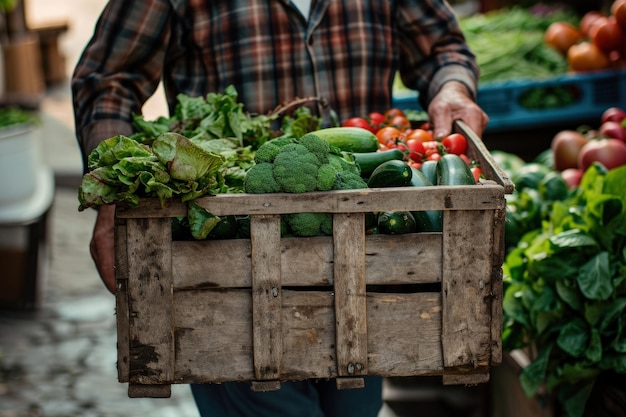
609, 152
572, 177
614, 130
613, 114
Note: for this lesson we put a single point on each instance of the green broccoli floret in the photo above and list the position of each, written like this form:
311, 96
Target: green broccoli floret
344, 161
266, 153
316, 145
295, 169
326, 177
349, 181
310, 224
260, 179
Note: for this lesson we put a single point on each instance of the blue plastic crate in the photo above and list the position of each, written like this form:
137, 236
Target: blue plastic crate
592, 93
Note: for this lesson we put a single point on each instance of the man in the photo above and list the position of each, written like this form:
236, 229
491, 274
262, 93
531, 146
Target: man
345, 51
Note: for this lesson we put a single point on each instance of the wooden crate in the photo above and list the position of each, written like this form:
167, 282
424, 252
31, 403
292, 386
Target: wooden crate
270, 309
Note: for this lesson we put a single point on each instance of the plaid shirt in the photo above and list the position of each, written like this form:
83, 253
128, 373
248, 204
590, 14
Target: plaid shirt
347, 53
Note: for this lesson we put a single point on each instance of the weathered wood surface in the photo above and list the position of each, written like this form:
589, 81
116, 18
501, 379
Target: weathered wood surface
266, 297
350, 291
399, 259
270, 309
150, 297
471, 197
214, 338
121, 302
466, 288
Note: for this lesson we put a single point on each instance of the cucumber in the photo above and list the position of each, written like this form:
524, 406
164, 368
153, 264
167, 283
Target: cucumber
396, 222
393, 173
368, 161
452, 170
429, 169
350, 139
428, 220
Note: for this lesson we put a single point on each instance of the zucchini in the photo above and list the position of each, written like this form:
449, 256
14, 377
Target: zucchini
393, 173
349, 139
428, 220
396, 222
368, 161
429, 169
452, 170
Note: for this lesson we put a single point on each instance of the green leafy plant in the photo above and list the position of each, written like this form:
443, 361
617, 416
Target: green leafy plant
565, 291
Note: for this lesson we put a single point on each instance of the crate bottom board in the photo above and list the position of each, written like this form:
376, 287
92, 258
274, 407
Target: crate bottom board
214, 340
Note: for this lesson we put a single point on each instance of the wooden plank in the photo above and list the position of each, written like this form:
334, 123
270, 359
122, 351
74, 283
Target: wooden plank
214, 339
149, 391
150, 289
266, 297
468, 379
390, 259
466, 287
350, 292
471, 197
121, 302
497, 291
478, 151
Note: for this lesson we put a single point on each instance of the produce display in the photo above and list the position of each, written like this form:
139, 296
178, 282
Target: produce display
211, 146
597, 41
565, 269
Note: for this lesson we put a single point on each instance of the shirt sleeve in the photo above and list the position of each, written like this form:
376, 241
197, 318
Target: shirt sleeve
432, 49
119, 69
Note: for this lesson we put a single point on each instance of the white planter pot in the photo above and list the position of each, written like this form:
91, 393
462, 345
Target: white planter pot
19, 163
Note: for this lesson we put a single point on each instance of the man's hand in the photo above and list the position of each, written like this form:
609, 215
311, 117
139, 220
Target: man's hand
453, 102
102, 246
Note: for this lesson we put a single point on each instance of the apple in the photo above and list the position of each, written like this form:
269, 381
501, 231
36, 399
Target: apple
565, 147
614, 130
609, 152
613, 114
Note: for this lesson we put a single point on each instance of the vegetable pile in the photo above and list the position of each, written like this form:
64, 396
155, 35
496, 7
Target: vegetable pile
565, 269
595, 42
509, 43
211, 146
565, 291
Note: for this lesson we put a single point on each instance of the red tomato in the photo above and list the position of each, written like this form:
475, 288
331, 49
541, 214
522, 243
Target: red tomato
615, 130
561, 35
358, 122
477, 172
415, 164
466, 159
435, 156
587, 21
422, 135
393, 112
606, 34
416, 149
618, 9
376, 120
401, 122
388, 134
455, 143
586, 56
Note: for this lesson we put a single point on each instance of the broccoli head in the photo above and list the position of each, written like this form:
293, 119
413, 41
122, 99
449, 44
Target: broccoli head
344, 161
310, 224
260, 179
317, 146
266, 153
326, 177
295, 169
349, 181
